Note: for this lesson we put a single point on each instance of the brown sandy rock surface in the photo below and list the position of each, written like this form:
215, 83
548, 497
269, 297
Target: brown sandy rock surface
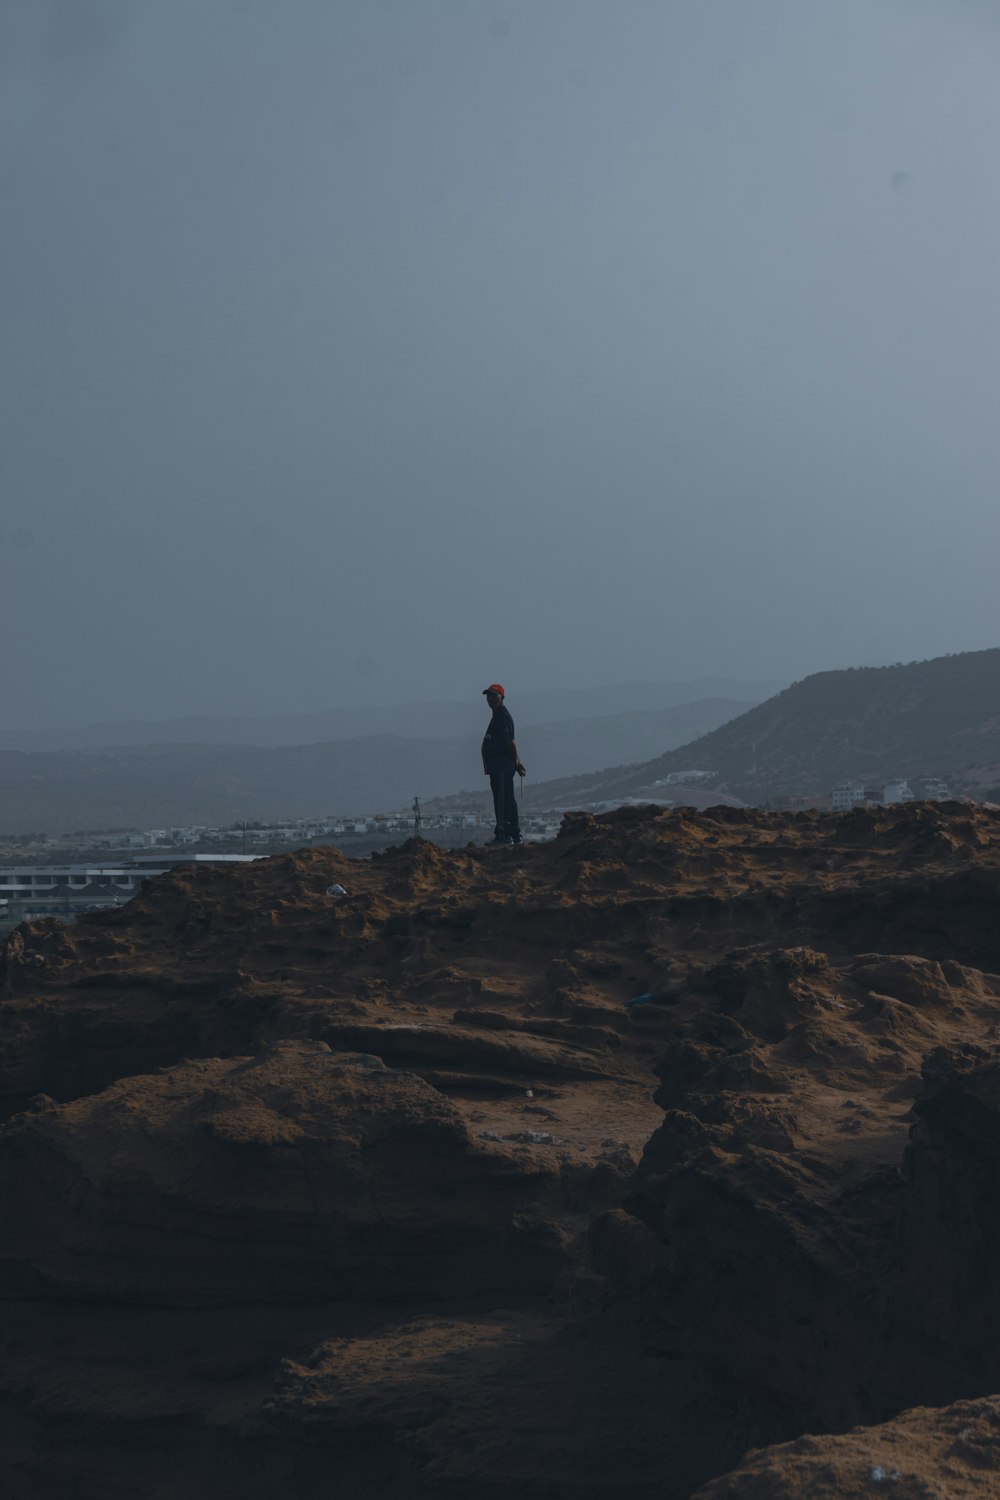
820, 1252
298, 1174
946, 1454
393, 1194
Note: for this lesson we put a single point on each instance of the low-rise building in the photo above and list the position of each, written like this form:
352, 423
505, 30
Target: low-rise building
849, 794
64, 891
936, 790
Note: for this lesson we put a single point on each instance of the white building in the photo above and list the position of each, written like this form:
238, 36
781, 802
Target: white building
849, 794
28, 891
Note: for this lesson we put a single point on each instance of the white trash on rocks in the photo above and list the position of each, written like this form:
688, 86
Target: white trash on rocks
336, 891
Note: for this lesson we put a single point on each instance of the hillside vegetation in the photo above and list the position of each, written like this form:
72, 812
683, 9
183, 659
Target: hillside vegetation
874, 724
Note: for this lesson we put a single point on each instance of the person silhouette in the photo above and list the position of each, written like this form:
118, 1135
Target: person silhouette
500, 763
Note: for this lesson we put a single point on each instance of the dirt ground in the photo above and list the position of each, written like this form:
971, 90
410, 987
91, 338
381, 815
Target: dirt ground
395, 1193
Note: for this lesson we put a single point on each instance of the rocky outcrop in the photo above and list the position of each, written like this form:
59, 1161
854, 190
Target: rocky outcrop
826, 1254
575, 1171
949, 1231
949, 1454
300, 1174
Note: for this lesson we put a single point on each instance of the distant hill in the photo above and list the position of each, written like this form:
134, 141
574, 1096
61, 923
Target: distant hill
418, 720
167, 785
870, 724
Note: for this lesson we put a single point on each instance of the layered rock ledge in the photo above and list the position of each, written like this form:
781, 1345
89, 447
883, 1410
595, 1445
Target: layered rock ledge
592, 1169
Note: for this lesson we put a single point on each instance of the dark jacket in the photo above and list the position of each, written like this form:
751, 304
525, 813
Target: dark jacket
498, 742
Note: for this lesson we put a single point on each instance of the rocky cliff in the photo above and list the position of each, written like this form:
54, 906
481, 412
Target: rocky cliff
395, 1193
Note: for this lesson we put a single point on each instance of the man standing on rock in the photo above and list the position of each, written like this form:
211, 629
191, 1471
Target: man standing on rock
500, 762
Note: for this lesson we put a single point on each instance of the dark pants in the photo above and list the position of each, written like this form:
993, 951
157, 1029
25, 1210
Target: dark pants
504, 804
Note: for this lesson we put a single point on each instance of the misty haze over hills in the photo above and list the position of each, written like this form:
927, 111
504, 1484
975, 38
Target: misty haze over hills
366, 357
423, 720
938, 718
146, 786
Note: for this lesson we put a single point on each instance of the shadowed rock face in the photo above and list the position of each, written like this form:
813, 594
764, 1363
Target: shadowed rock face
826, 1253
299, 1174
949, 1230
397, 1196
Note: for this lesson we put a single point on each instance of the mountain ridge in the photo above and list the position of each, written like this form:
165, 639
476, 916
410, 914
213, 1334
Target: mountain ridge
938, 717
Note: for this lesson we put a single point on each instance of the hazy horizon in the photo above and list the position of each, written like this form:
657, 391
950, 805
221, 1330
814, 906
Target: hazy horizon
415, 719
359, 354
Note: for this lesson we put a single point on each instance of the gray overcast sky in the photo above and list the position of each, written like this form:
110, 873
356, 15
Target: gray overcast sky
355, 350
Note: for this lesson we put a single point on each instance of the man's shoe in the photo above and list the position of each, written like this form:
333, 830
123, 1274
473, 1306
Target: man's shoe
501, 838
516, 839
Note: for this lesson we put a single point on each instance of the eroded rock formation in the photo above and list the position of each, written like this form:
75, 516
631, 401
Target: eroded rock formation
397, 1194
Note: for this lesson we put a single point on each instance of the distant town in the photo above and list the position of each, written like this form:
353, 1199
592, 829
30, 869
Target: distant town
857, 794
